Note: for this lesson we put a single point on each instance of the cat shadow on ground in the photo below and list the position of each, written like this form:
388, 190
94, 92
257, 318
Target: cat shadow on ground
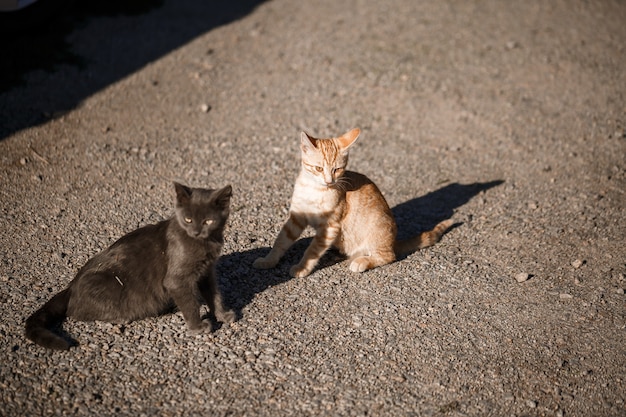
240, 282
423, 213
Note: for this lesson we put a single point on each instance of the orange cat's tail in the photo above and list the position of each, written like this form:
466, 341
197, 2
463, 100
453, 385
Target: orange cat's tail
423, 240
39, 323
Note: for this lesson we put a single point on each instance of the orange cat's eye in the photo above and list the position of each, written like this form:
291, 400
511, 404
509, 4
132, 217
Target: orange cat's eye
319, 169
187, 220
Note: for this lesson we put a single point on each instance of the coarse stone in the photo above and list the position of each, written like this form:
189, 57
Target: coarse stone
504, 116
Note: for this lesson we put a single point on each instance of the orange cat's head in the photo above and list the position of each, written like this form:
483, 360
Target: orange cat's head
326, 159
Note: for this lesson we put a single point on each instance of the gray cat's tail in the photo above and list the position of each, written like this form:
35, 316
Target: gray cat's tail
39, 323
423, 240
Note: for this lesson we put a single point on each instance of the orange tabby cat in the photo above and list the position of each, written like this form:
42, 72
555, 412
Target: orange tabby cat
346, 210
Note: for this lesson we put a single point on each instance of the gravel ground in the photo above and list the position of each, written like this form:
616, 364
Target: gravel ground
509, 117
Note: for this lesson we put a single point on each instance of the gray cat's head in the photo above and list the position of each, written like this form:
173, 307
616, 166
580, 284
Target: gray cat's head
202, 212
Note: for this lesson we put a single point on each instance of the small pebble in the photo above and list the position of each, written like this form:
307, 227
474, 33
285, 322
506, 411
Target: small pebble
565, 296
619, 291
397, 378
522, 276
577, 263
205, 108
531, 403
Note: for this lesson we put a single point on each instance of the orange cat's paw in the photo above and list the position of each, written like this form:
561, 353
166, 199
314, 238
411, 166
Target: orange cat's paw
297, 271
360, 264
263, 263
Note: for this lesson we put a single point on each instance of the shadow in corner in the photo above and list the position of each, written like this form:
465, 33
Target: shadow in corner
90, 45
240, 282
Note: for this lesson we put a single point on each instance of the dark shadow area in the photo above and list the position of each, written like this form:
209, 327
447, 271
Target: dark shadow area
240, 282
117, 38
423, 213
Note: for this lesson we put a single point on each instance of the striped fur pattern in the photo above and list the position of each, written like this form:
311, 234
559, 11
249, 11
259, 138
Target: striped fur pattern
345, 208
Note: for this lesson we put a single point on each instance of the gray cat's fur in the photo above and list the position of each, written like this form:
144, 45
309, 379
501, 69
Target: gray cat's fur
147, 272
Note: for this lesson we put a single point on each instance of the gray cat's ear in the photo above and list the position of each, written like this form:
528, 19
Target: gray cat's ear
347, 139
307, 143
183, 193
222, 196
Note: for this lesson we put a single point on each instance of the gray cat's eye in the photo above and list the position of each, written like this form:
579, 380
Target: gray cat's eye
187, 220
209, 222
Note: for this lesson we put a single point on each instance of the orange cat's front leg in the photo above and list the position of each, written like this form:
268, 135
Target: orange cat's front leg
288, 234
324, 238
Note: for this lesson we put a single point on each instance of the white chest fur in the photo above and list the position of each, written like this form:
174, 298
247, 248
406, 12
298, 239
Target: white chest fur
312, 198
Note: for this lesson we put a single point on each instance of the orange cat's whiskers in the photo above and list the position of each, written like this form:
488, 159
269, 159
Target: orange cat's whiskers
342, 184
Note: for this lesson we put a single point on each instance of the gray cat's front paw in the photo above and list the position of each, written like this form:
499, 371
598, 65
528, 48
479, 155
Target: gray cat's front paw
264, 263
227, 316
198, 328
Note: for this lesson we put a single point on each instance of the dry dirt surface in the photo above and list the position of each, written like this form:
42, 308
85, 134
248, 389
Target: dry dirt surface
509, 117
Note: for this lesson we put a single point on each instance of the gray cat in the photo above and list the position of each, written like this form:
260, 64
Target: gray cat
147, 272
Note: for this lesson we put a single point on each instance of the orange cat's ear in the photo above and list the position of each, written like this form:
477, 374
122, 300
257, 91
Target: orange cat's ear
307, 143
347, 139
